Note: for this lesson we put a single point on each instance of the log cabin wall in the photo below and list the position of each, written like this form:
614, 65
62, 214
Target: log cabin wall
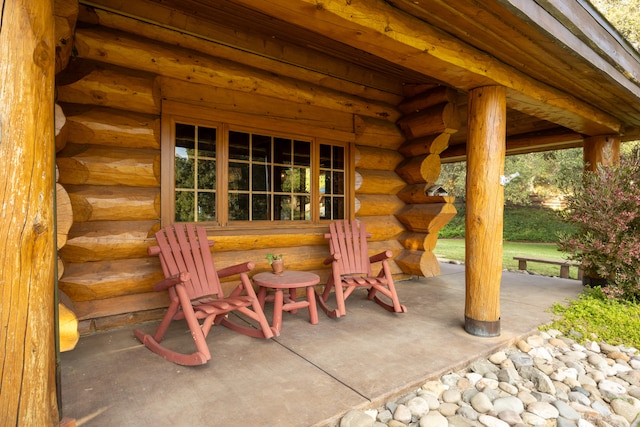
124, 76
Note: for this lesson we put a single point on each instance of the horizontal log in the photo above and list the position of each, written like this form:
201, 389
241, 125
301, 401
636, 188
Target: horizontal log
417, 193
261, 111
426, 218
65, 17
237, 240
67, 323
419, 263
137, 318
304, 258
377, 204
110, 203
369, 181
376, 158
418, 241
420, 169
64, 215
108, 240
112, 128
431, 144
67, 328
554, 139
414, 89
112, 278
382, 228
170, 61
424, 100
252, 49
62, 137
121, 305
441, 118
61, 130
60, 268
99, 165
85, 82
379, 133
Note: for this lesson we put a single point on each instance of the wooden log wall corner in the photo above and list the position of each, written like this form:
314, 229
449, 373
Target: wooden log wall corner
376, 184
429, 120
109, 170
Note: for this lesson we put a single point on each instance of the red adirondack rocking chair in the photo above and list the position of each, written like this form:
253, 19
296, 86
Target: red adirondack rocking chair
351, 268
196, 295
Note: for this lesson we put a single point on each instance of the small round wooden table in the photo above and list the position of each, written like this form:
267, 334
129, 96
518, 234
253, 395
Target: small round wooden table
291, 280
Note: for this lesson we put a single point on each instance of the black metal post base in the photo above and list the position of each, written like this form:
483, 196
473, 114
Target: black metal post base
482, 328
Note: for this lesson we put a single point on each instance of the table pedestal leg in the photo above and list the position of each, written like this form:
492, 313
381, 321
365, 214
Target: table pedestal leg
313, 310
277, 311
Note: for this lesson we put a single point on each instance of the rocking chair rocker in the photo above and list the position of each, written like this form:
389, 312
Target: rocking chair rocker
351, 268
195, 292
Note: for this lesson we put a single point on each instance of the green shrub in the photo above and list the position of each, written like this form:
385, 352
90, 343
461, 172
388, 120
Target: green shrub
593, 316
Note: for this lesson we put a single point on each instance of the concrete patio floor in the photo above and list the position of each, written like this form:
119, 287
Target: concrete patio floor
308, 376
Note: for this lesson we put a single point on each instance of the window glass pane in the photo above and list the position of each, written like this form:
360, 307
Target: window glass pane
302, 208
184, 206
184, 172
302, 153
260, 177
206, 142
301, 180
325, 156
325, 182
338, 208
238, 207
206, 206
338, 183
282, 207
185, 140
338, 157
238, 145
207, 174
282, 179
282, 151
325, 207
261, 207
238, 176
261, 148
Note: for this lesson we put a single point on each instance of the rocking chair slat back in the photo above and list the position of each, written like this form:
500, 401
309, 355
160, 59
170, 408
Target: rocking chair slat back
183, 248
350, 241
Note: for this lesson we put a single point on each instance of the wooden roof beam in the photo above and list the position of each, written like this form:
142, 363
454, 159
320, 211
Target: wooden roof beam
376, 27
557, 139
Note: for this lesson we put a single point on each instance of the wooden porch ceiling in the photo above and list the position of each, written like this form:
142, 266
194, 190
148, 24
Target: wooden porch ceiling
564, 79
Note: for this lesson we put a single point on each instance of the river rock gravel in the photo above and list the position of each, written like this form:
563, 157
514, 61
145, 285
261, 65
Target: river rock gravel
544, 380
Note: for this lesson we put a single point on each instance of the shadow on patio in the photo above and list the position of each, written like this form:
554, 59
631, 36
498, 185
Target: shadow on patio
310, 374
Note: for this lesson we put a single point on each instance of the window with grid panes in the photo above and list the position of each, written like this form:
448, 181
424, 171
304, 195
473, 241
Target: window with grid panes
268, 177
195, 173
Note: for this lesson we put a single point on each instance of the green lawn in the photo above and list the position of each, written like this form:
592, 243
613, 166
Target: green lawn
454, 249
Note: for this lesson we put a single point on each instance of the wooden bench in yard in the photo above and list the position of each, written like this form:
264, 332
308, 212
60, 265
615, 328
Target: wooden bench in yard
564, 265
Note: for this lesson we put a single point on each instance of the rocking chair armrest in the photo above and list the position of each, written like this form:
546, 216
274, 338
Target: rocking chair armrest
332, 258
381, 256
236, 269
171, 281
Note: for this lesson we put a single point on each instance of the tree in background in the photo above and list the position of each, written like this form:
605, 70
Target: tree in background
624, 15
546, 175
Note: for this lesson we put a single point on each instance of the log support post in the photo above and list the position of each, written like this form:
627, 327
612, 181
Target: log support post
601, 150
486, 146
27, 219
